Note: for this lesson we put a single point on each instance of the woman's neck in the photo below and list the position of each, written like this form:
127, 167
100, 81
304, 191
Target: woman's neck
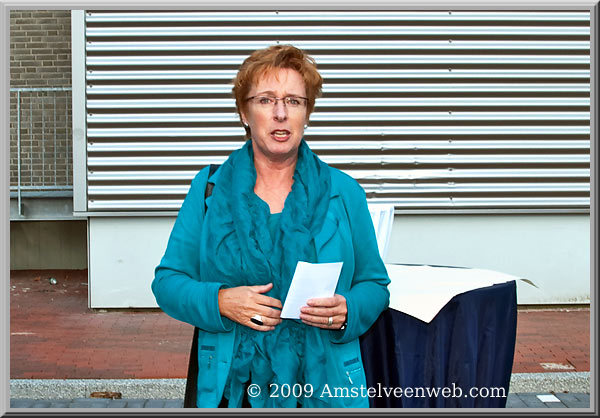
274, 181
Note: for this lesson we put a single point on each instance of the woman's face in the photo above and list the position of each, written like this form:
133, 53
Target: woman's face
276, 130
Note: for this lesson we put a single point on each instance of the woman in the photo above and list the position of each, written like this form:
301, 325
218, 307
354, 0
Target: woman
227, 270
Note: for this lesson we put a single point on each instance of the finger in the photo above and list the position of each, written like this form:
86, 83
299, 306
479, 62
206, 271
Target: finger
263, 323
261, 288
268, 316
323, 302
321, 322
326, 312
321, 325
266, 312
263, 328
267, 301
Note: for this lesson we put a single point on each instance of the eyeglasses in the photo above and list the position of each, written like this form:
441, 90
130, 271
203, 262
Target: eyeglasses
268, 102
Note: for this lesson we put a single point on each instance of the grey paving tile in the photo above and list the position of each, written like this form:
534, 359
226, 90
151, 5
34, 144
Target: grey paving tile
40, 404
531, 400
513, 401
578, 405
154, 403
88, 405
116, 403
555, 405
135, 403
574, 401
173, 403
583, 397
60, 403
92, 400
21, 403
567, 397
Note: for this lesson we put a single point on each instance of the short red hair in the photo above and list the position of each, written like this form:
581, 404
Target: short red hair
263, 61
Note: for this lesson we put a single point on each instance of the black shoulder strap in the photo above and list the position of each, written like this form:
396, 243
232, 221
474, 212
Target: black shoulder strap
209, 186
191, 390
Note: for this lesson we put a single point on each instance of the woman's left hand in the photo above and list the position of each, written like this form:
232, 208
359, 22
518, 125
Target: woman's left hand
319, 310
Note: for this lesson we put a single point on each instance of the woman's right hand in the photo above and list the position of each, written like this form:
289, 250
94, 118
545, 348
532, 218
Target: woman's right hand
241, 303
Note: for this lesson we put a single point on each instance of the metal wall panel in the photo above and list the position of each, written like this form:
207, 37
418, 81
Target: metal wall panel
429, 110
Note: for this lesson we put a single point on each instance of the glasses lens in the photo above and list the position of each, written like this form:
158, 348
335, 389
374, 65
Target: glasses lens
265, 100
292, 102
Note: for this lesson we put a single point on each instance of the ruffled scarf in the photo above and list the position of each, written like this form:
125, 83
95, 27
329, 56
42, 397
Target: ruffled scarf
239, 248
241, 252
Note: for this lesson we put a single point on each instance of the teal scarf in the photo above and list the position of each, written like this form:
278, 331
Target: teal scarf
241, 252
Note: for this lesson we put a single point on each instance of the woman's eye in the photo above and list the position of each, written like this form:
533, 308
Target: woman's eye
292, 101
265, 100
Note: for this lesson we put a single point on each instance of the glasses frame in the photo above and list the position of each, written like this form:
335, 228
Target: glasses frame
277, 99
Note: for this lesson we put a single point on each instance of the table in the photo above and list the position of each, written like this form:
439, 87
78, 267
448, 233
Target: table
469, 344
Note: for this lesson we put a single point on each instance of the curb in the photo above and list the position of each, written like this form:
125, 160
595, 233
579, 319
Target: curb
175, 388
550, 382
82, 388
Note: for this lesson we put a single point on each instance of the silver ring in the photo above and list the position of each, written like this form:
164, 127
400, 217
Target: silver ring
257, 319
330, 321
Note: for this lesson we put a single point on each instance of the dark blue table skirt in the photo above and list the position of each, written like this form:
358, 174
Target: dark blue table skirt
469, 344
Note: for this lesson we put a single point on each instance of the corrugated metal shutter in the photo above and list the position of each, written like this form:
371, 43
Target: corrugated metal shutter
428, 110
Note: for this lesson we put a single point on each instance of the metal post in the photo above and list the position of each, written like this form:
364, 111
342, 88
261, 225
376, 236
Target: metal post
43, 139
31, 139
19, 151
68, 151
55, 139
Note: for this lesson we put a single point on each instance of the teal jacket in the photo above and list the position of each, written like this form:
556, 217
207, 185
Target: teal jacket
347, 235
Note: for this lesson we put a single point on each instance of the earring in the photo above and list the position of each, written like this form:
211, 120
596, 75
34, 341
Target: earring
305, 126
245, 124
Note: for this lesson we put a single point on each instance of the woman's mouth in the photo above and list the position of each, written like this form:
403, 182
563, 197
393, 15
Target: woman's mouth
280, 134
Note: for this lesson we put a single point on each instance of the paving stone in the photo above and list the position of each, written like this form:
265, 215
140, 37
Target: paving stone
578, 405
555, 405
40, 404
567, 397
154, 403
60, 403
87, 405
21, 403
135, 403
117, 403
531, 400
574, 400
513, 401
174, 403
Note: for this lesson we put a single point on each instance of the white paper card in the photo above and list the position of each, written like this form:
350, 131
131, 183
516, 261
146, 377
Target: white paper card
548, 398
422, 291
310, 281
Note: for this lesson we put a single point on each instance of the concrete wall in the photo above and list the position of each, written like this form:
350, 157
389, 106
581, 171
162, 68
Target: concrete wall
123, 255
553, 251
38, 245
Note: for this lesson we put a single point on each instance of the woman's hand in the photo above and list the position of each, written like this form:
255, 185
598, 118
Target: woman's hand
319, 310
241, 303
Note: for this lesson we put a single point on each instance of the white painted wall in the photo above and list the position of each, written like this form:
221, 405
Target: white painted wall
551, 250
122, 258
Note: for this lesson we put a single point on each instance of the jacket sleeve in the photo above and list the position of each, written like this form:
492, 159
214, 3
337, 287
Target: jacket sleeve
368, 295
177, 286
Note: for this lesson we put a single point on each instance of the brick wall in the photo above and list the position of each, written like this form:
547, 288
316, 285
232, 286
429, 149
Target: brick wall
40, 57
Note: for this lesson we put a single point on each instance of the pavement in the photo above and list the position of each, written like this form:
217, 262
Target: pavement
61, 351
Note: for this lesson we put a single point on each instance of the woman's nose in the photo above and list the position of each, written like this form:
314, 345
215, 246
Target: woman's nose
279, 110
